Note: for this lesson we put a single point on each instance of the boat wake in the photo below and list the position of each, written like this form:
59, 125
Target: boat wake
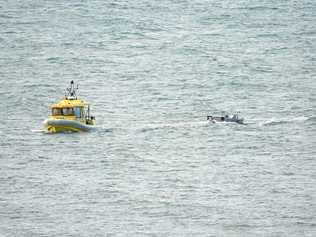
38, 131
43, 131
151, 127
192, 124
274, 121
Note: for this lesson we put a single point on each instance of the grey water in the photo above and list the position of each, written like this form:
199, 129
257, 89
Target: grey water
152, 71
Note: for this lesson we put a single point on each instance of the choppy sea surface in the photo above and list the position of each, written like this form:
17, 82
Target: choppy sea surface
153, 70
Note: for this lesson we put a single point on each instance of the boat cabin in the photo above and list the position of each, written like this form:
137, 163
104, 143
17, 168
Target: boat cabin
74, 109
78, 112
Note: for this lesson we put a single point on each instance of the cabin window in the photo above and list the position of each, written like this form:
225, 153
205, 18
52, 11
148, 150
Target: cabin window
68, 111
56, 112
77, 111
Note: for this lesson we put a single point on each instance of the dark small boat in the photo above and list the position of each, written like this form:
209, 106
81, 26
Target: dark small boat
226, 118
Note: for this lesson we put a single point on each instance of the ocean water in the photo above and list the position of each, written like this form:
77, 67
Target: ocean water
153, 70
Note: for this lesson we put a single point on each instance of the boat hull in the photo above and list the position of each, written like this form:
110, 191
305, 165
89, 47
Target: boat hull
63, 125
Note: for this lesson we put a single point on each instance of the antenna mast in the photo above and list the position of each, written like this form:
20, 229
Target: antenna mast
72, 91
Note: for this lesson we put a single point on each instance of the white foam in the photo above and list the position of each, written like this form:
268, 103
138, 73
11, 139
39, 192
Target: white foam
275, 121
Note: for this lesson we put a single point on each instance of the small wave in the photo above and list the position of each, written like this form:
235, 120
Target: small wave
274, 121
312, 119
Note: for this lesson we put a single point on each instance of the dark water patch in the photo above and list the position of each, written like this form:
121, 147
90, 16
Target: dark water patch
262, 69
10, 32
54, 59
101, 130
29, 23
288, 173
267, 35
7, 16
260, 8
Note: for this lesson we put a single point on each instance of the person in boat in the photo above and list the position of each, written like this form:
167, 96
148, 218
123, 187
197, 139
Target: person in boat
77, 112
67, 111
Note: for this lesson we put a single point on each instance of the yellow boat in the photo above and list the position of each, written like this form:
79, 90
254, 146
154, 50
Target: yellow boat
70, 114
